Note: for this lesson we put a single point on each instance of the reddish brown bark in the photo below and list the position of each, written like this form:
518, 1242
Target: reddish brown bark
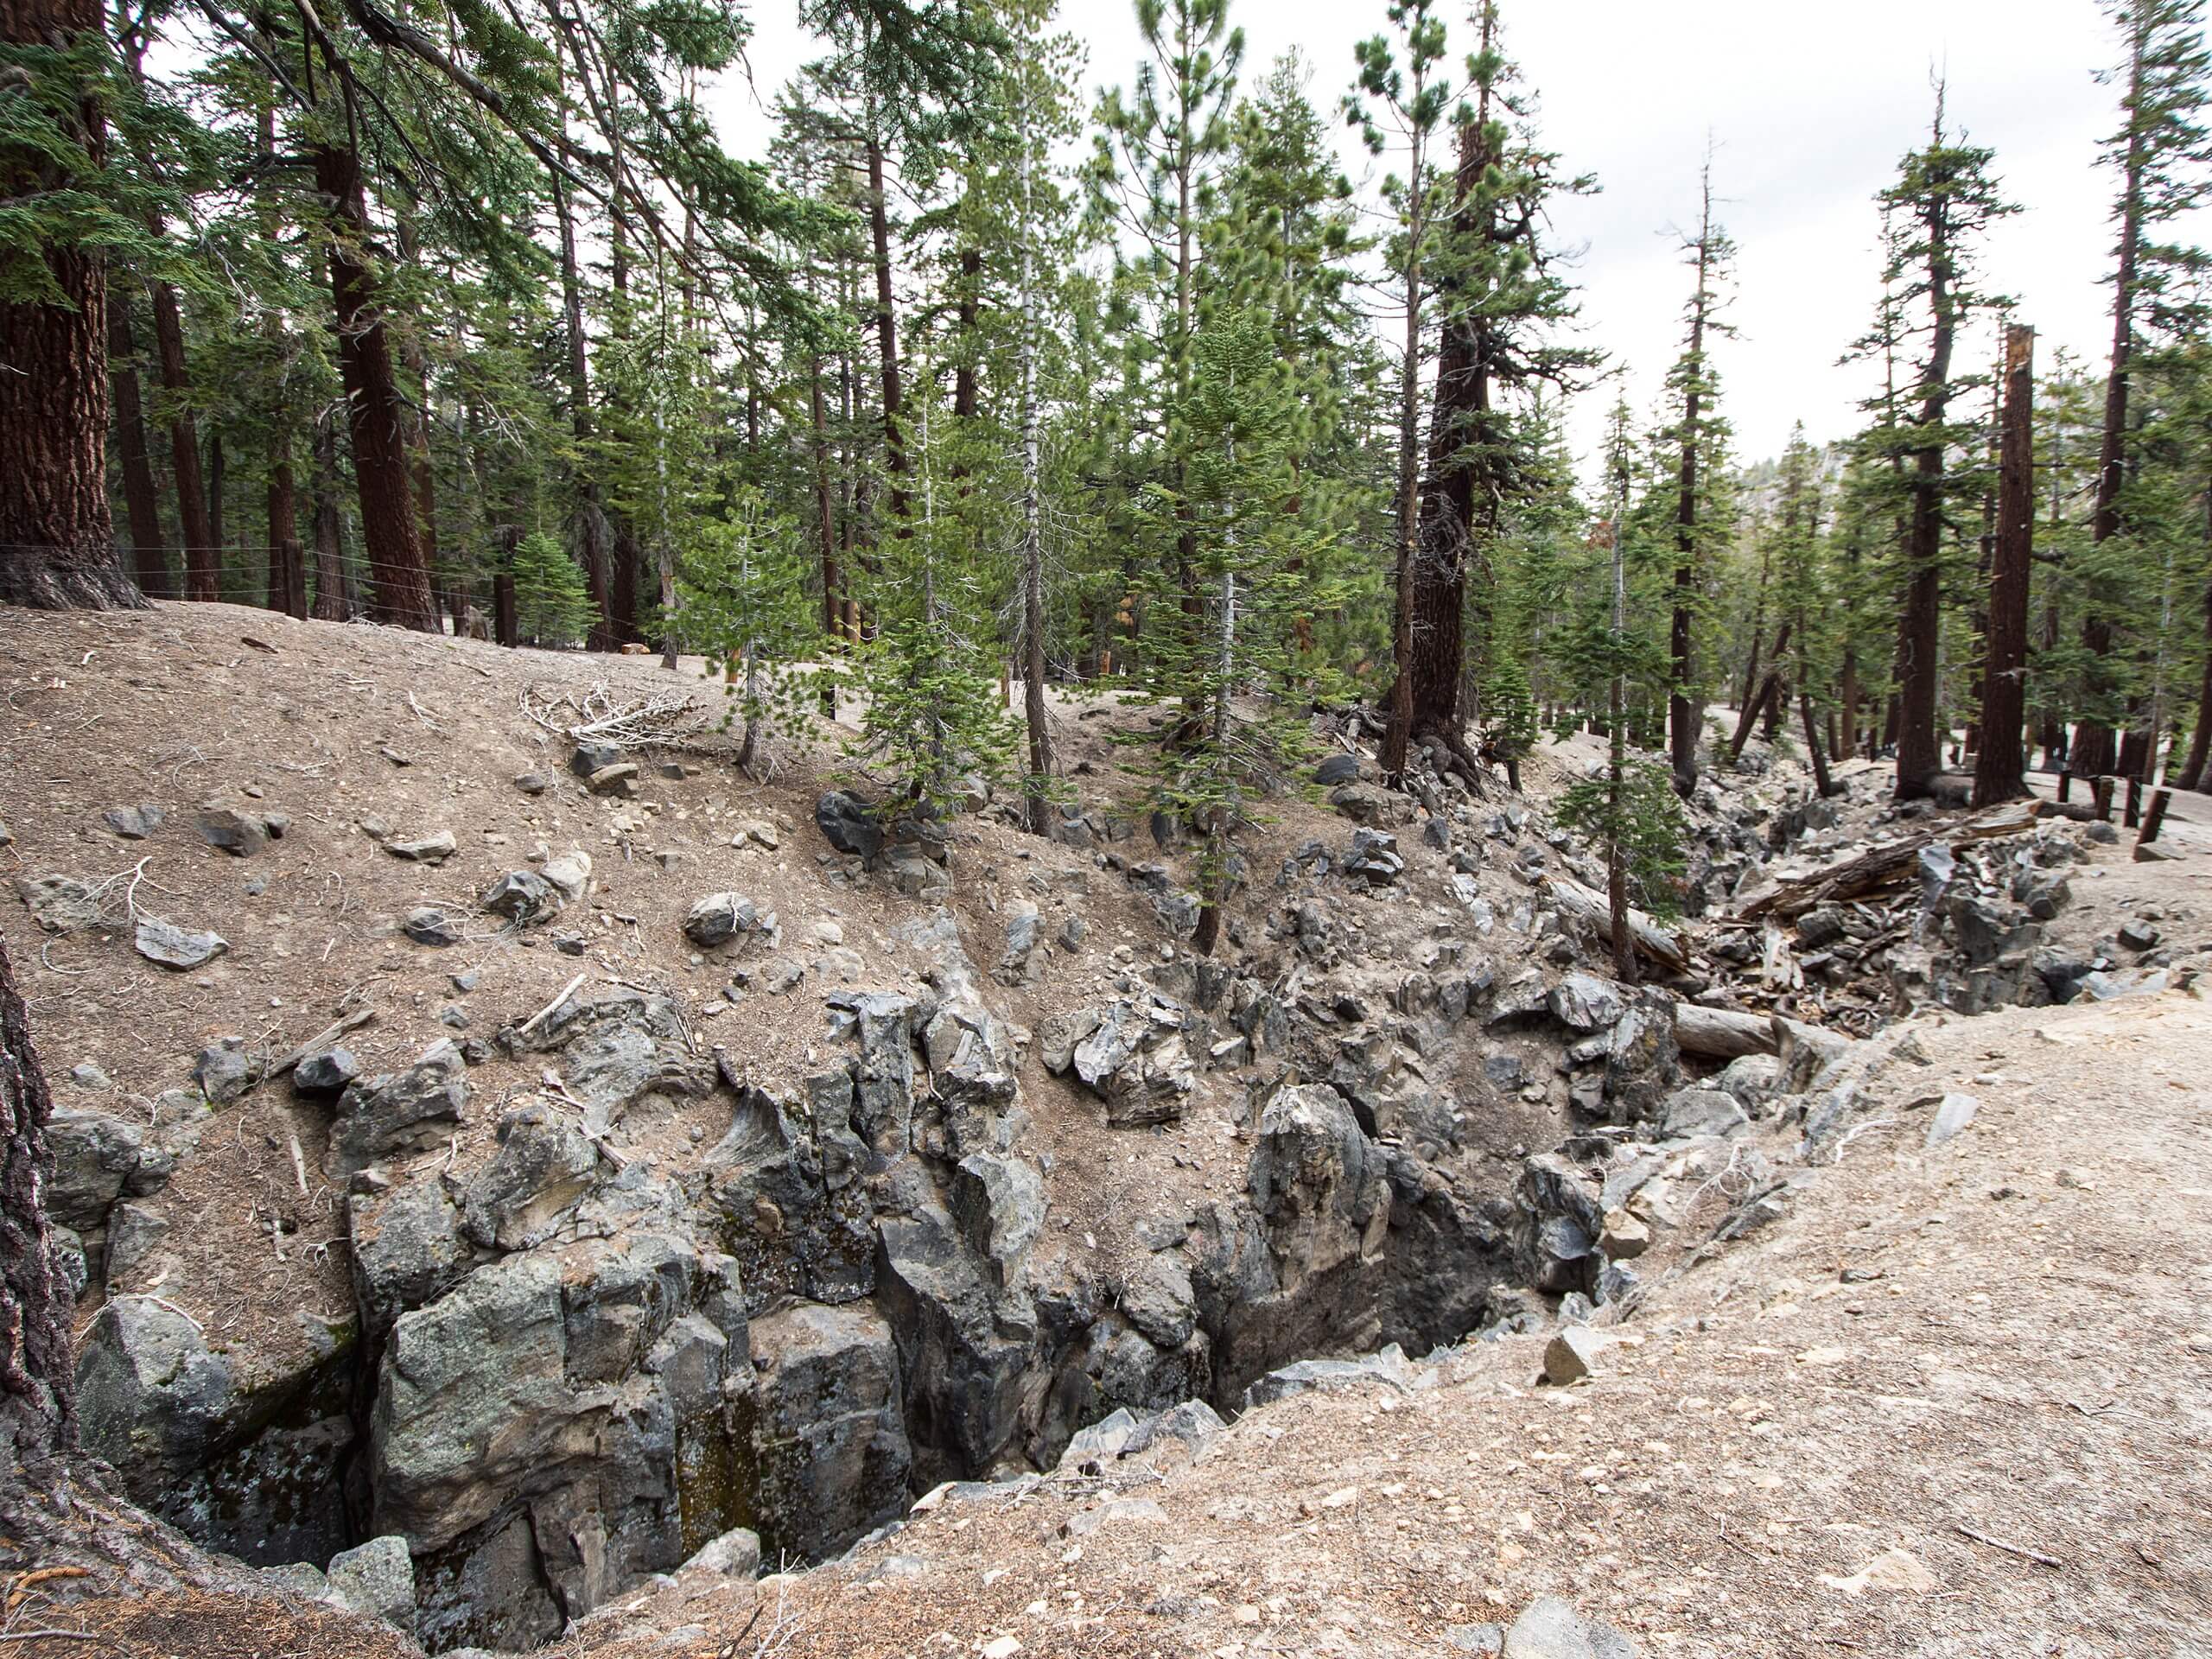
57, 540
202, 548
886, 335
37, 1374
141, 498
2197, 774
377, 417
2001, 763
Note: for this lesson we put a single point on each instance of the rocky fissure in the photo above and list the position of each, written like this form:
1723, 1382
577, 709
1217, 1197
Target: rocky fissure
625, 1288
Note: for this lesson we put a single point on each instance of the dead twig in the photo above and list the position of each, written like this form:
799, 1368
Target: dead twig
567, 991
2020, 1550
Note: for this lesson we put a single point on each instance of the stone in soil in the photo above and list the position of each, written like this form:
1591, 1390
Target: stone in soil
428, 925
133, 823
434, 848
172, 946
233, 832
524, 897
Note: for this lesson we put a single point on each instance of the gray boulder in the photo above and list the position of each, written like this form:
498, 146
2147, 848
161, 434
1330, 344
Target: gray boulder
428, 925
1133, 1058
720, 917
433, 849
1561, 1219
999, 1202
735, 1554
171, 946
1551, 1629
403, 1112
407, 1250
524, 897
133, 823
1159, 1300
1374, 858
376, 1580
1692, 1113
225, 1071
233, 832
325, 1072
1586, 1002
848, 825
98, 1159
829, 1439
544, 1165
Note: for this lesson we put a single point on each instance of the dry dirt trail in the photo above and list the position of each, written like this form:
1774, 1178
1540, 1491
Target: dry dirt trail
1958, 1402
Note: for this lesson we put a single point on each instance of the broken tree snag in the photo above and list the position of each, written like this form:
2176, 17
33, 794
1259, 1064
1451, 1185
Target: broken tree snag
2154, 819
1657, 944
1879, 869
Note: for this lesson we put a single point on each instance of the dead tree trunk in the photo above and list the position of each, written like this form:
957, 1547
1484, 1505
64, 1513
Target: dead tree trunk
2197, 774
2001, 763
330, 604
399, 578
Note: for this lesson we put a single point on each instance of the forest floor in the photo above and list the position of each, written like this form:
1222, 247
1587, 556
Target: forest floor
2032, 1367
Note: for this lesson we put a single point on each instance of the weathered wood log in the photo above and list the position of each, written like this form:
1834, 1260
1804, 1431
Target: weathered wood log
1878, 868
1660, 945
2154, 819
1723, 1033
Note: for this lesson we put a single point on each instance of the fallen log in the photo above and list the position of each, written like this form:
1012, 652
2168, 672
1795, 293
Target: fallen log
1723, 1033
322, 1041
1879, 868
1660, 945
1730, 1033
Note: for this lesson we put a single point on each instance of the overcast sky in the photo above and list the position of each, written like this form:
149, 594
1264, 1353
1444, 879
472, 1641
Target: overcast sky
1809, 107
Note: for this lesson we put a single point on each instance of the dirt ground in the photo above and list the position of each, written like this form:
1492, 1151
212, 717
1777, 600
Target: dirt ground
1955, 1403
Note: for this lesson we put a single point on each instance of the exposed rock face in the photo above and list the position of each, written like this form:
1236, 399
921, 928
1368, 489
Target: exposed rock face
401, 1112
1133, 1058
828, 1436
557, 1425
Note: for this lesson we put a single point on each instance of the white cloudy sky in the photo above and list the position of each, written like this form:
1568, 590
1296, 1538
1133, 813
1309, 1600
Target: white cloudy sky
1810, 106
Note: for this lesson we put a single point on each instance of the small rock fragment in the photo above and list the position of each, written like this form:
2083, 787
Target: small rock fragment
428, 925
1572, 1354
133, 823
233, 832
173, 947
1953, 1114
424, 850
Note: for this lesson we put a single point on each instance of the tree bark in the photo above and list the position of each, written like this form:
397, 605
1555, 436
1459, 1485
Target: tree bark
57, 541
2092, 755
37, 1374
1920, 755
2197, 774
399, 576
202, 546
141, 498
1682, 712
886, 335
330, 603
1399, 738
2001, 762
591, 528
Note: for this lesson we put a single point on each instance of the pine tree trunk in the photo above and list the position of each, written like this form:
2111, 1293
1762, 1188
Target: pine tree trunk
1455, 500
886, 335
1034, 713
1398, 740
399, 578
330, 605
2197, 773
2093, 753
1920, 755
202, 545
1682, 714
2001, 762
57, 542
218, 476
37, 1374
141, 498
590, 519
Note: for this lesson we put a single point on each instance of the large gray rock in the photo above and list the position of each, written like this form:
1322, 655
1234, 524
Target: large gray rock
966, 1345
786, 1179
735, 1554
1560, 1220
376, 1580
1586, 1002
883, 1070
616, 1050
848, 825
233, 832
97, 1159
544, 1165
1691, 1113
1000, 1204
720, 917
1551, 1629
576, 1393
1133, 1058
400, 1112
225, 1071
524, 897
408, 1250
1159, 1300
133, 823
828, 1439
171, 946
